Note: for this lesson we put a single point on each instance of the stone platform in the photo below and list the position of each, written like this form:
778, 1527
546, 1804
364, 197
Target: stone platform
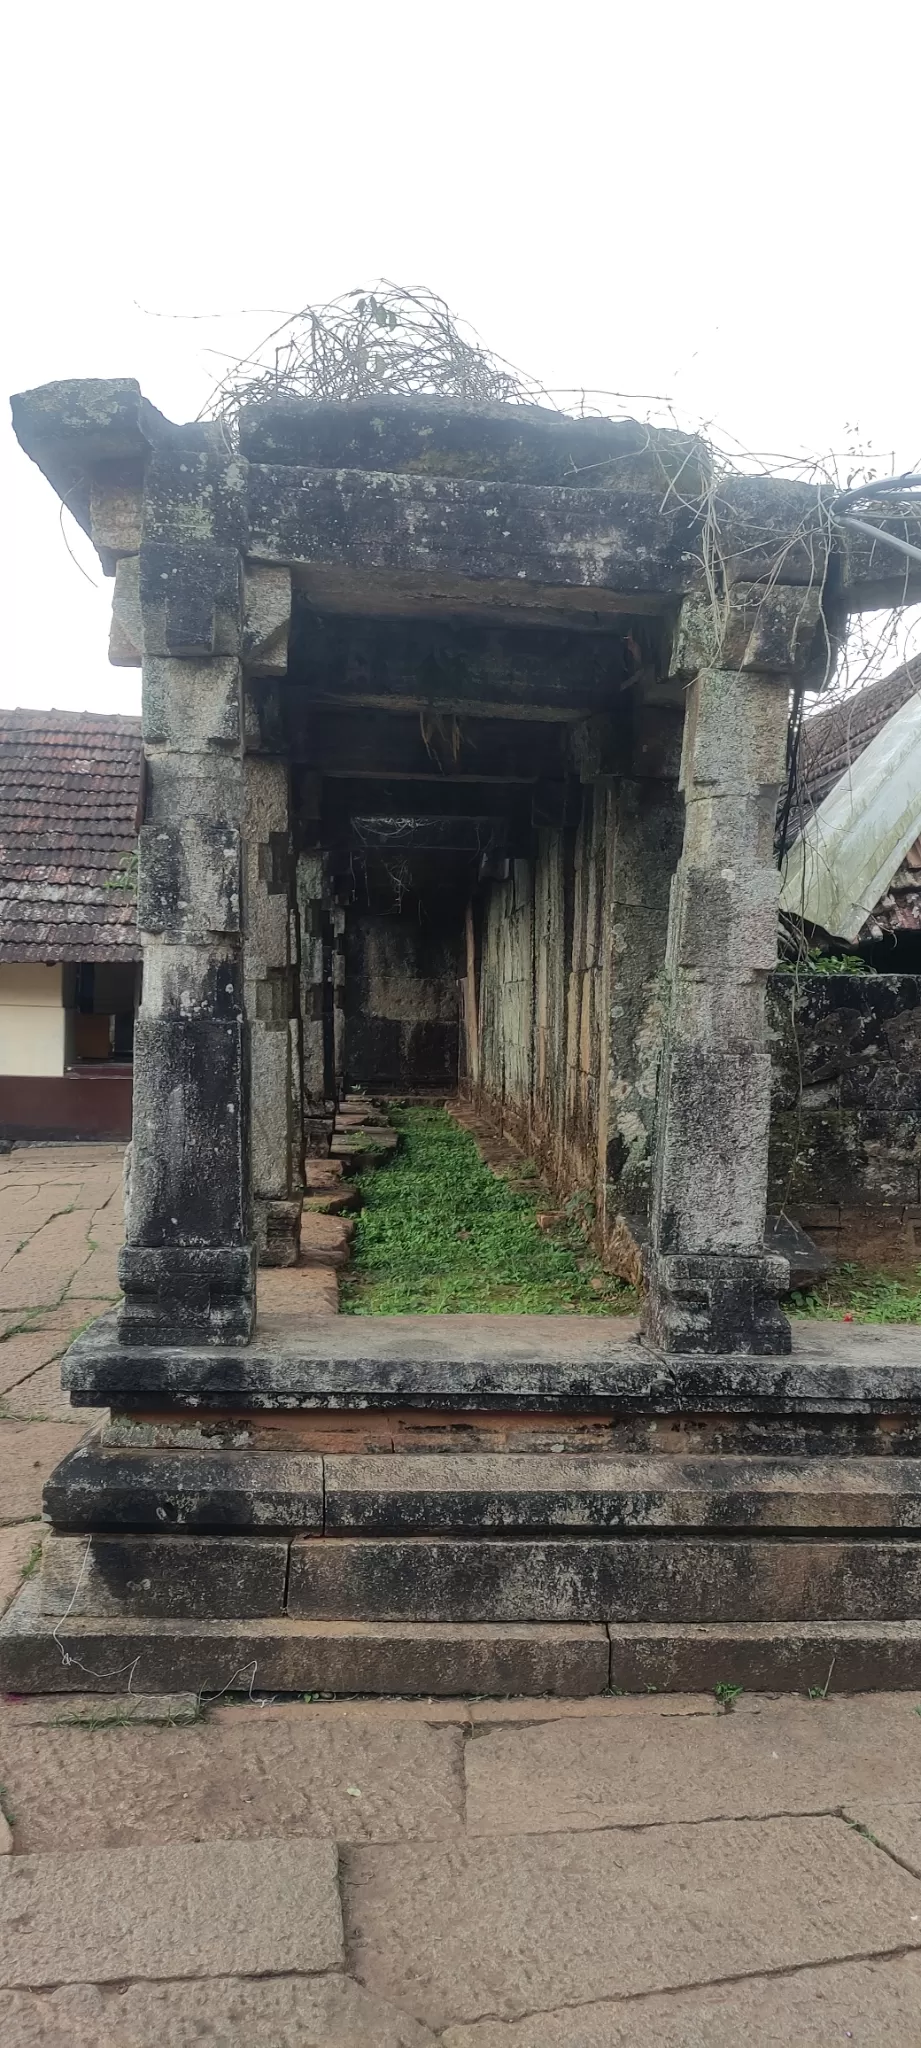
480, 1504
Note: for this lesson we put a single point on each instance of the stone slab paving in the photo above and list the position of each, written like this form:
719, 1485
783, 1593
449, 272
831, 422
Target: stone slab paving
28, 1452
795, 1756
557, 1920
744, 1876
877, 2004
61, 1223
346, 1781
18, 1547
281, 2012
184, 1911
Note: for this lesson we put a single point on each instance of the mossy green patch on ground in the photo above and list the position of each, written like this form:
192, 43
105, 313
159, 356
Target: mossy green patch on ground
440, 1234
860, 1294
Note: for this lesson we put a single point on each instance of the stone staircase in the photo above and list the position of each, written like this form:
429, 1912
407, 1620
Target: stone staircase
482, 1504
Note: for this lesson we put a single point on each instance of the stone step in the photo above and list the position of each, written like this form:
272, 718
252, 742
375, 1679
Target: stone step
438, 1578
827, 1657
279, 1655
320, 1174
100, 1488
467, 1493
448, 1660
363, 1150
603, 1578
325, 1240
336, 1200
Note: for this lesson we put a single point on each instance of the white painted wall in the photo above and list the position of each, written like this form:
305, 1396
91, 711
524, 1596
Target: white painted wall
31, 1018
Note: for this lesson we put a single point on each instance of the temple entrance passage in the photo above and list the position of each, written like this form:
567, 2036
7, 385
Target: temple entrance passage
440, 1234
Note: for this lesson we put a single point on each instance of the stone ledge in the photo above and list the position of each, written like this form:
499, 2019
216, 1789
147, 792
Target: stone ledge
510, 1363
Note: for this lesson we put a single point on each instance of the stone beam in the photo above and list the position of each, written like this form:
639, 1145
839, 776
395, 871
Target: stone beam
407, 834
397, 666
442, 749
429, 436
535, 519
442, 538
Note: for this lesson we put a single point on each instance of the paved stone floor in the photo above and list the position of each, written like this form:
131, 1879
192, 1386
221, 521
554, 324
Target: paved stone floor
657, 1872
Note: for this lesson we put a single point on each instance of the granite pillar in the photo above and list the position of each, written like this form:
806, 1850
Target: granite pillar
712, 1288
644, 845
187, 1267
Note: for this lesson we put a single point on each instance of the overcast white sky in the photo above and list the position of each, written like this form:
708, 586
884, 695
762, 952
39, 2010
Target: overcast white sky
711, 201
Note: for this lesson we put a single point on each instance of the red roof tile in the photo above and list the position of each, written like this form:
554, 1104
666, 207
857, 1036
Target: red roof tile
69, 792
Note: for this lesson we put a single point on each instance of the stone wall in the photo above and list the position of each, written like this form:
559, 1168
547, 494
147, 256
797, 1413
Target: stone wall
401, 1000
542, 1033
846, 1114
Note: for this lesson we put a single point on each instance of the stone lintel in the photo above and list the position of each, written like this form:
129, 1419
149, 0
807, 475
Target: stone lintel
426, 530
600, 526
431, 436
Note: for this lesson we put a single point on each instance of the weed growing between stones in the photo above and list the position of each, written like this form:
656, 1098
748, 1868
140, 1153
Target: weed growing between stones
857, 1294
439, 1234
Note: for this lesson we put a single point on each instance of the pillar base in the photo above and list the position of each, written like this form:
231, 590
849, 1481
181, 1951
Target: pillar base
183, 1295
717, 1303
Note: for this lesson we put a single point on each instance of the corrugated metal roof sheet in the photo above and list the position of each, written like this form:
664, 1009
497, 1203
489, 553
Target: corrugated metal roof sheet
69, 791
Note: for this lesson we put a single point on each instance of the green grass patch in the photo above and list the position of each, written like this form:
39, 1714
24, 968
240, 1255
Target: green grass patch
439, 1234
859, 1294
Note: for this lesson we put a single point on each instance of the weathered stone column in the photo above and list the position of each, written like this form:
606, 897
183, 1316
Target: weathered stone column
269, 922
187, 1267
645, 839
712, 1288
270, 1004
338, 979
313, 919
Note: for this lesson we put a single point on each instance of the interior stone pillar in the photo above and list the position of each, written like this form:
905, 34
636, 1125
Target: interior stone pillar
338, 981
313, 920
711, 1286
187, 1267
645, 840
270, 1004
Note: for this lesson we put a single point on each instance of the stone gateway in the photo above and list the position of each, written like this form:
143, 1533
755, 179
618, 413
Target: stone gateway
463, 737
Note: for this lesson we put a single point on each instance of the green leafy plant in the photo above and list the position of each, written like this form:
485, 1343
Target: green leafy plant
439, 1234
727, 1694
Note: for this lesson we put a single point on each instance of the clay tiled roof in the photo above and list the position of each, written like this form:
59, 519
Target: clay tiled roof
69, 796
833, 739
